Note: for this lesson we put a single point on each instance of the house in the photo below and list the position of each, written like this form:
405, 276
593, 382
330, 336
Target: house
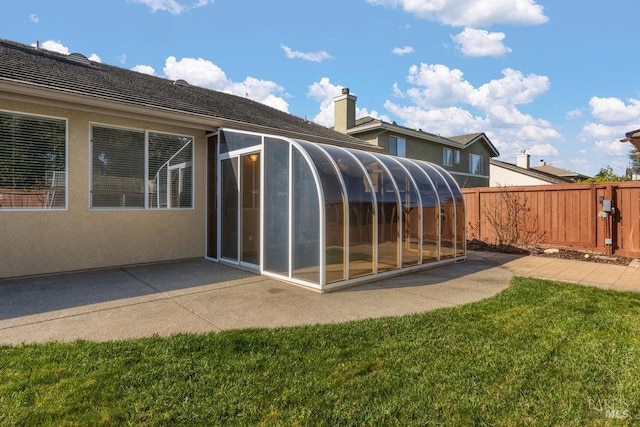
465, 157
634, 138
521, 173
567, 174
102, 167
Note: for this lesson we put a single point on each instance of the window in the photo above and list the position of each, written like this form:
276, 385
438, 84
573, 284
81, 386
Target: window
475, 164
33, 162
456, 157
447, 157
140, 169
398, 146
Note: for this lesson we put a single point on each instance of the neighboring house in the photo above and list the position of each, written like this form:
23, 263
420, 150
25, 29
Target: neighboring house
465, 157
507, 174
634, 138
102, 166
569, 175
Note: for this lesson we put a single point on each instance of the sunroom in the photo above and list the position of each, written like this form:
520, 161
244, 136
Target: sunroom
325, 216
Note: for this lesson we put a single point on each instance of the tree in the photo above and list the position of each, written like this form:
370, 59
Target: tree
634, 164
606, 175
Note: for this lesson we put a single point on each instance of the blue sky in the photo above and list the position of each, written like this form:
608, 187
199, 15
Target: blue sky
556, 78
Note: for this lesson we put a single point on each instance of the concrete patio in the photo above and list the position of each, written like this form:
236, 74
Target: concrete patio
198, 296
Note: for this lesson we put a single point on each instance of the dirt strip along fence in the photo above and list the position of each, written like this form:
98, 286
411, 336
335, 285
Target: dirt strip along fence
601, 217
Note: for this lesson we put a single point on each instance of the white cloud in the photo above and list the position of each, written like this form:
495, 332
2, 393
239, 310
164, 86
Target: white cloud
397, 92
442, 101
308, 56
54, 46
612, 119
34, 18
197, 71
543, 150
145, 69
513, 88
612, 147
204, 73
95, 57
461, 13
437, 85
574, 114
400, 51
473, 42
123, 58
171, 6
614, 110
324, 92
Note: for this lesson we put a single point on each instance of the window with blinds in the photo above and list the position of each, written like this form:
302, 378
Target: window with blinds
141, 169
33, 162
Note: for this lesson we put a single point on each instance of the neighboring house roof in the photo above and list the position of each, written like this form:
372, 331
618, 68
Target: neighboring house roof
30, 71
472, 138
538, 174
559, 172
634, 138
367, 124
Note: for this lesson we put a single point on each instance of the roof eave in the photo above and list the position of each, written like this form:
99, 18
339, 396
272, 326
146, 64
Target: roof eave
18, 91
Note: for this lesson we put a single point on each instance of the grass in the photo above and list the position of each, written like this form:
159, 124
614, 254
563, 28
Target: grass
539, 353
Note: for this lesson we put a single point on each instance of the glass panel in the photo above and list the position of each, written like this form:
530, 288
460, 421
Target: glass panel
276, 206
230, 141
460, 230
429, 212
410, 238
117, 166
250, 249
170, 158
447, 214
388, 208
334, 212
361, 210
212, 200
475, 164
229, 228
32, 162
306, 221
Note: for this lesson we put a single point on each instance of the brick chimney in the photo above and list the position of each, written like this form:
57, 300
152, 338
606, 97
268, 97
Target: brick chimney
344, 111
523, 160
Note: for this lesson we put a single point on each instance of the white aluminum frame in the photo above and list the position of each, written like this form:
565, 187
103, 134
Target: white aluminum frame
322, 285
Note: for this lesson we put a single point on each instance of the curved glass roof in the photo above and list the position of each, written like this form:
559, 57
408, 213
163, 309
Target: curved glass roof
333, 216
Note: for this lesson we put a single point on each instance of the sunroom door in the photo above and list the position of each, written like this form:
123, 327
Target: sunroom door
240, 210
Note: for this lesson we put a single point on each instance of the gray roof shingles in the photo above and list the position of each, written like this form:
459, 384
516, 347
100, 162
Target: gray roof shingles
45, 69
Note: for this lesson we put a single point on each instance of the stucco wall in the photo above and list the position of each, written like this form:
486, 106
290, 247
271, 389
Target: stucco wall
502, 177
48, 241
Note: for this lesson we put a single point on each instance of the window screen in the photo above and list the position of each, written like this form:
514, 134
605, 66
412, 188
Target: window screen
32, 162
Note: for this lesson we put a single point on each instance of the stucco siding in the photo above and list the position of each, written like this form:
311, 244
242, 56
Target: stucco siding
505, 177
48, 241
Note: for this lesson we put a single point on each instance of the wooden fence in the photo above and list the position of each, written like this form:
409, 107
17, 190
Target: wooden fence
602, 217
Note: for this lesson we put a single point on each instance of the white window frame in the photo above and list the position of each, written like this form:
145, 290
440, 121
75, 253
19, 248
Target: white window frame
55, 178
146, 178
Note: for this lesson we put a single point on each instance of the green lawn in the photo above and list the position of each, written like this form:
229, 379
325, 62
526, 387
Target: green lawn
539, 353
